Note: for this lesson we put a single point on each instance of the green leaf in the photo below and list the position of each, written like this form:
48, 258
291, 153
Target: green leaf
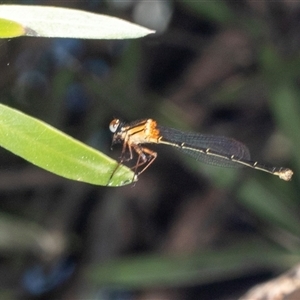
217, 11
283, 94
52, 150
46, 21
204, 267
269, 205
18, 235
9, 29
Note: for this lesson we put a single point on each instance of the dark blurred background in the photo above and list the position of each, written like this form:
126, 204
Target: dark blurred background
185, 230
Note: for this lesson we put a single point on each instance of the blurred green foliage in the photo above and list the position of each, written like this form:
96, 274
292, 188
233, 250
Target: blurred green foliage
274, 203
269, 87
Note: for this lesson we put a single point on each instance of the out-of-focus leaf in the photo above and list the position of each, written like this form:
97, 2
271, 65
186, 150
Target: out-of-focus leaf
269, 206
216, 11
52, 150
17, 235
281, 75
199, 268
9, 29
46, 21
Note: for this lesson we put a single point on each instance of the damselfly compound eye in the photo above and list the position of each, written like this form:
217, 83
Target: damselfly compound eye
114, 124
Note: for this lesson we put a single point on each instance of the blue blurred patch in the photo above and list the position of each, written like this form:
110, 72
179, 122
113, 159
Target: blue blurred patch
38, 280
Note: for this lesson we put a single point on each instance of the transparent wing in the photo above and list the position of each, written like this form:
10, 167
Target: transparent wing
195, 145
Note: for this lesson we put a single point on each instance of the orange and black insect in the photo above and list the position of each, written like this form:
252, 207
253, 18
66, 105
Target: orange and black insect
215, 150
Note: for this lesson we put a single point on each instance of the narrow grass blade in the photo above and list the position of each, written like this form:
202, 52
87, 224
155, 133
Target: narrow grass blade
205, 267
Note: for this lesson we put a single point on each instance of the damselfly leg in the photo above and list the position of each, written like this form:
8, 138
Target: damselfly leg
145, 158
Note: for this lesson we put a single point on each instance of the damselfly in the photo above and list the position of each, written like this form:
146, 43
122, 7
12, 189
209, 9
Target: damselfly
215, 150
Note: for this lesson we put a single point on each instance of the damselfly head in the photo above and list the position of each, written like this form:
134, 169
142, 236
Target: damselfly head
114, 125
